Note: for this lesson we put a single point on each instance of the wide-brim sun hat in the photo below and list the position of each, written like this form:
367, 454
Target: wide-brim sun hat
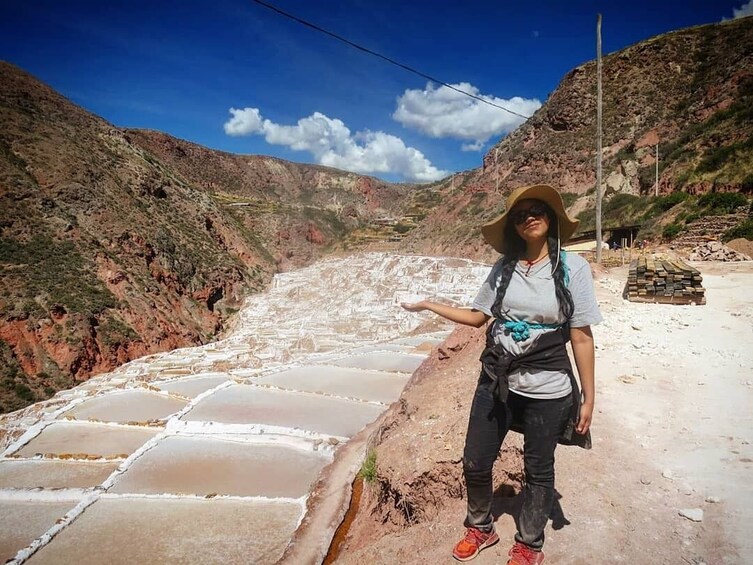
494, 231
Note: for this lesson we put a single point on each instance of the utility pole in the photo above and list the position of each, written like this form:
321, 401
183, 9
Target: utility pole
656, 186
598, 139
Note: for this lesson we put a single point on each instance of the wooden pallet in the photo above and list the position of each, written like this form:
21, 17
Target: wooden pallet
655, 279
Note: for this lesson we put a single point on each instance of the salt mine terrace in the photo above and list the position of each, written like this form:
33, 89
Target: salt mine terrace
208, 454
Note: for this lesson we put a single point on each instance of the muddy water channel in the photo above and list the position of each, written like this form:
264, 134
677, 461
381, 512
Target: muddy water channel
208, 454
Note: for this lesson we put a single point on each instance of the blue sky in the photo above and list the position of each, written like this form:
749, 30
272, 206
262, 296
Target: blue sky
232, 75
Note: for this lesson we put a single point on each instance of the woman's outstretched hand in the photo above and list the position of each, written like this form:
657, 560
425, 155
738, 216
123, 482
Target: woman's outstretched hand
453, 313
414, 307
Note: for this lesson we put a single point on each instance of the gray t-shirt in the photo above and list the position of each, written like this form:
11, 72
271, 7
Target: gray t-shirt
531, 297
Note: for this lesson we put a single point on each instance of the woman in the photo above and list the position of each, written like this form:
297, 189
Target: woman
540, 297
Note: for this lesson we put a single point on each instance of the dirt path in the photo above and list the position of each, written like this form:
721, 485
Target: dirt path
673, 431
675, 406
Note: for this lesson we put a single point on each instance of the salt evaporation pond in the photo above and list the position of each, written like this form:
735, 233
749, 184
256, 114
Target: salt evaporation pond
54, 473
339, 381
162, 530
132, 406
241, 404
81, 441
208, 454
194, 386
24, 520
204, 465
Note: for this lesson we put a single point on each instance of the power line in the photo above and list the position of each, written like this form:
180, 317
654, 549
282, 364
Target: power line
391, 61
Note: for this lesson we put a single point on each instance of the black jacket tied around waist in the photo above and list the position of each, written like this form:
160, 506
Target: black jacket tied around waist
548, 353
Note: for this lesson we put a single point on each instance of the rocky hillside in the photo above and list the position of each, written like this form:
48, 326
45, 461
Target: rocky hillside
689, 91
117, 243
294, 210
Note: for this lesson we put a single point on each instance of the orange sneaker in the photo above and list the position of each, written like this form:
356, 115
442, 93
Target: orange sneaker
521, 554
474, 541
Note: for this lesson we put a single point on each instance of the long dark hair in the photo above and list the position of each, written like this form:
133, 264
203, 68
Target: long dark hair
514, 248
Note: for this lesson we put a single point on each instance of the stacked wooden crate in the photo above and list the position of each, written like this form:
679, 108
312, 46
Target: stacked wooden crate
655, 279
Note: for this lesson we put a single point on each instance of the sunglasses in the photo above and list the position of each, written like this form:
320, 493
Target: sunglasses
520, 216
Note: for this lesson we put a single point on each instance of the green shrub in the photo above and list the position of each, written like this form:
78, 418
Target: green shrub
647, 177
715, 158
58, 271
113, 331
620, 201
568, 198
747, 184
664, 203
744, 230
627, 153
622, 209
676, 151
691, 218
722, 202
587, 219
661, 204
670, 231
682, 178
24, 392
368, 470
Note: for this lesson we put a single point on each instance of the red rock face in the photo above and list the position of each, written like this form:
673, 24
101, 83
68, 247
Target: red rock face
36, 347
313, 235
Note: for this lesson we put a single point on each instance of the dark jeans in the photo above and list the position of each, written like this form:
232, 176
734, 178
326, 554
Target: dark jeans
543, 422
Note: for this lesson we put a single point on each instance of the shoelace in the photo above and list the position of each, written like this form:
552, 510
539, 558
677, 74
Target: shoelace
474, 536
523, 551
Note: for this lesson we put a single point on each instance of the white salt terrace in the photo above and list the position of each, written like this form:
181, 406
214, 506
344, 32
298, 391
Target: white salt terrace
339, 381
139, 530
54, 473
240, 404
200, 465
134, 406
74, 440
193, 387
208, 454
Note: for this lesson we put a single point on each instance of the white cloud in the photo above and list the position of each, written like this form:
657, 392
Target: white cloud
243, 122
332, 144
742, 11
443, 112
475, 146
